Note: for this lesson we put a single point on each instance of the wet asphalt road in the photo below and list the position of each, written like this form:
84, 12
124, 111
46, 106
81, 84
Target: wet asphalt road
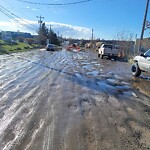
72, 101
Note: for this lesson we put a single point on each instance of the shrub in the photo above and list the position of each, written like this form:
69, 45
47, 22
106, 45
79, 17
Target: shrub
26, 47
18, 48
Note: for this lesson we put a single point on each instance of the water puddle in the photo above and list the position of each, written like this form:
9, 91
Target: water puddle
94, 62
97, 64
78, 75
85, 63
93, 73
113, 82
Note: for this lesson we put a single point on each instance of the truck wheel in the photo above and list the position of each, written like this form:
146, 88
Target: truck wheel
136, 71
99, 55
115, 58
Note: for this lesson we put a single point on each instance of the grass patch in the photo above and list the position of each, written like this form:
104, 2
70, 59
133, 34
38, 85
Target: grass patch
10, 47
3, 51
17, 47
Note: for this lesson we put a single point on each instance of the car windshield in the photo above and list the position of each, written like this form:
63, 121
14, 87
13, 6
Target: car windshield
50, 45
108, 46
147, 53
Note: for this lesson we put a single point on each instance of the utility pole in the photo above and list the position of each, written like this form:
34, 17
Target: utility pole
40, 21
58, 34
92, 35
135, 46
50, 28
61, 39
143, 28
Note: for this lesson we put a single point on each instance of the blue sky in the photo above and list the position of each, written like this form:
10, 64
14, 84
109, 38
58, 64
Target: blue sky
106, 17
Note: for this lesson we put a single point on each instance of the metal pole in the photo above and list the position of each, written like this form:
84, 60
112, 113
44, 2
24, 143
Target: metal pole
143, 28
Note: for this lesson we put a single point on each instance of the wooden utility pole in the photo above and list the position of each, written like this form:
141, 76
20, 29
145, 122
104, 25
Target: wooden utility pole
143, 28
92, 35
58, 34
50, 28
40, 21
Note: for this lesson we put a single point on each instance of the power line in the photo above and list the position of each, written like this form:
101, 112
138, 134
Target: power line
16, 18
56, 4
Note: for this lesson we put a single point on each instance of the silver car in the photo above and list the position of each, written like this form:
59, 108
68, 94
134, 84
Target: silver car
50, 47
141, 64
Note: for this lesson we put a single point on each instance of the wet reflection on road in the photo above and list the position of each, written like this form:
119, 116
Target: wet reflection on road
67, 100
142, 84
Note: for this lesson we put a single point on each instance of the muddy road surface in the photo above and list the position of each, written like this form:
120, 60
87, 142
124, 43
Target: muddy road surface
72, 101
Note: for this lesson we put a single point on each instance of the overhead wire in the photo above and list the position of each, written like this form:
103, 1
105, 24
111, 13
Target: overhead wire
16, 18
55, 4
19, 10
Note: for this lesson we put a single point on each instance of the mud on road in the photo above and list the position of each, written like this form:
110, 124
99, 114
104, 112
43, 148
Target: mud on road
72, 101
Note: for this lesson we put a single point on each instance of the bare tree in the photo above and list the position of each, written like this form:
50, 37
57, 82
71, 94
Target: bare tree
126, 44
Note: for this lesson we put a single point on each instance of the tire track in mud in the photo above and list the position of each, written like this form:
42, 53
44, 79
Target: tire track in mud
65, 108
55, 129
63, 124
74, 136
50, 102
30, 97
49, 135
109, 143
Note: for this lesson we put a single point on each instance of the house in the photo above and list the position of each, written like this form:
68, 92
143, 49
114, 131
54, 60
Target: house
6, 35
10, 35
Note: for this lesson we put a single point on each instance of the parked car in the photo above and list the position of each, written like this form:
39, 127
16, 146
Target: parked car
141, 64
50, 47
108, 50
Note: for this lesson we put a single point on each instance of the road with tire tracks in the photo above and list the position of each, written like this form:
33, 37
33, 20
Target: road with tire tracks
72, 101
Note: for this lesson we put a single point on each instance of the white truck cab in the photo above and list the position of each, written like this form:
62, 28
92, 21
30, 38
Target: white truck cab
141, 64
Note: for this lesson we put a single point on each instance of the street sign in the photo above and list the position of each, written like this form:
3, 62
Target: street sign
147, 24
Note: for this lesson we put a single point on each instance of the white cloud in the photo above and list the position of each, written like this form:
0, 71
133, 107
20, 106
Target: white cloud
65, 30
33, 9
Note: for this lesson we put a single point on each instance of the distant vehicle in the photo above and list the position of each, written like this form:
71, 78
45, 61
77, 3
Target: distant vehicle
141, 64
50, 47
108, 50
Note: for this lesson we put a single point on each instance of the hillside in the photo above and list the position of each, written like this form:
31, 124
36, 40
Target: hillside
10, 47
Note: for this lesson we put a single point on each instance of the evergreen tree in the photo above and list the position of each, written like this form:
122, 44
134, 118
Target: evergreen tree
52, 36
43, 34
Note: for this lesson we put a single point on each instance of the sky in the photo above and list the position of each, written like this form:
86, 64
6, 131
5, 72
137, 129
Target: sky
108, 18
